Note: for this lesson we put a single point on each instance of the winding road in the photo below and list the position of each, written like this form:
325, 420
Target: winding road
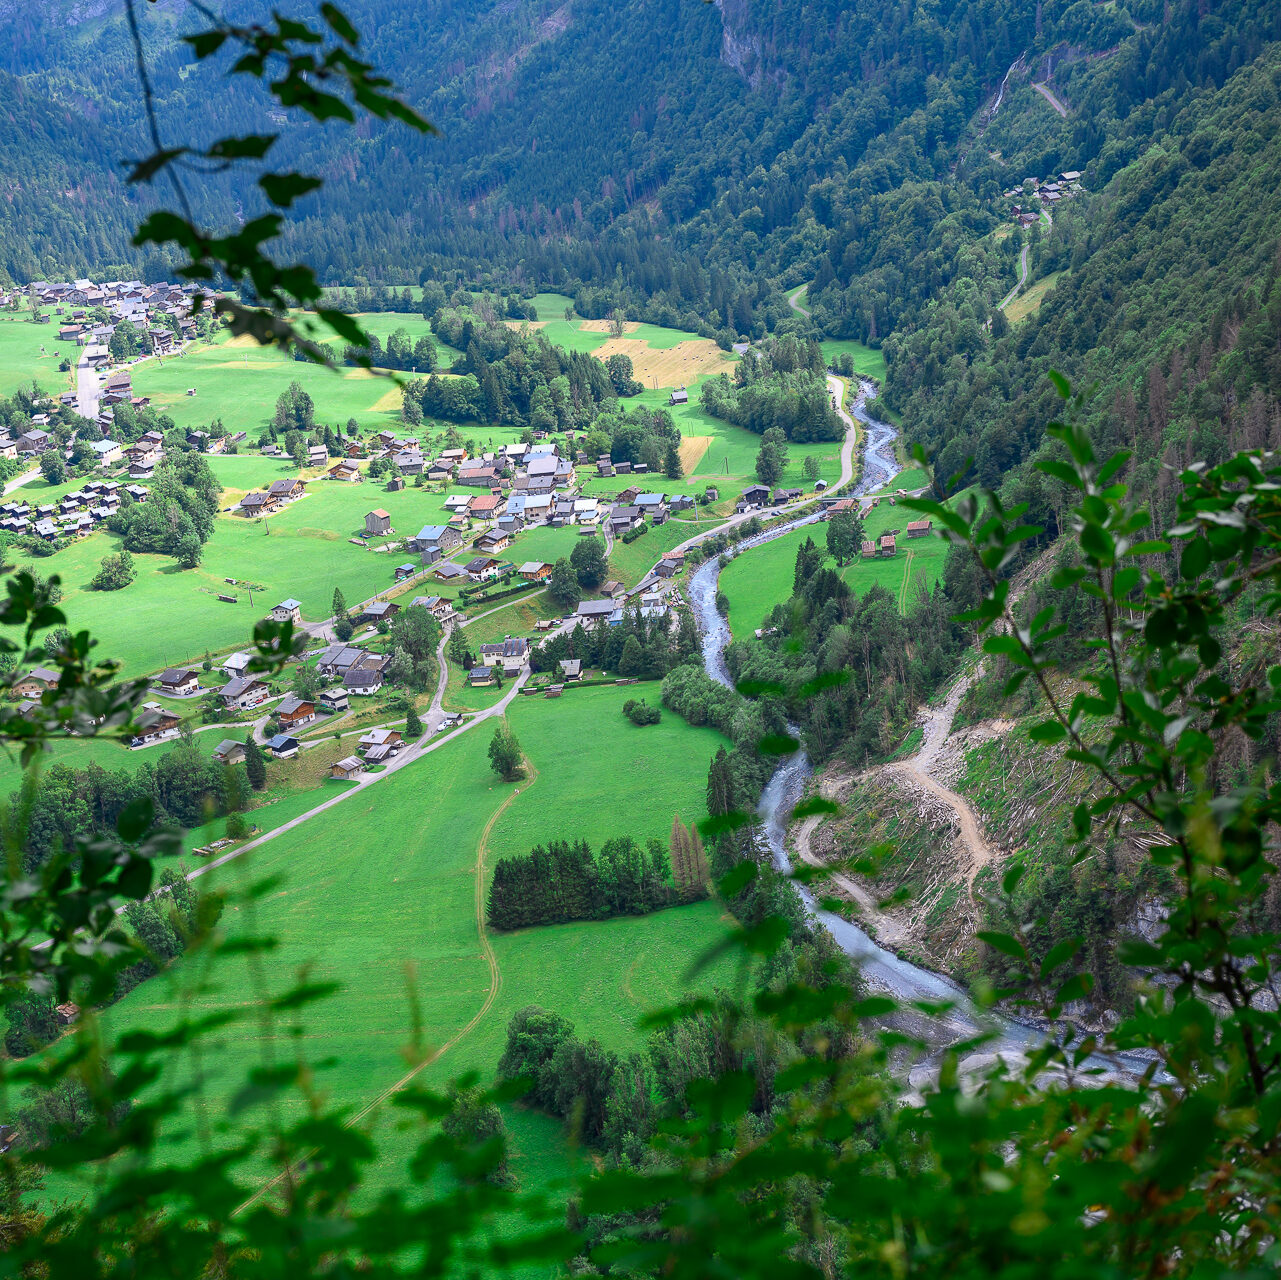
1048, 94
1013, 293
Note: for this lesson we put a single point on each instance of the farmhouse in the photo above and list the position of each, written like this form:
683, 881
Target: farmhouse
243, 692
257, 504
384, 741
439, 536
755, 495
484, 476
919, 528
288, 611
679, 396
535, 571
624, 519
287, 490
294, 712
347, 768
510, 654
381, 609
571, 669
347, 470
365, 678
155, 724
317, 455
179, 682
484, 506
229, 751
377, 522
594, 610
34, 683
450, 572
480, 677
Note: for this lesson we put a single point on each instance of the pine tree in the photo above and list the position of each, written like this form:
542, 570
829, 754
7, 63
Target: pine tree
680, 855
255, 764
413, 725
339, 605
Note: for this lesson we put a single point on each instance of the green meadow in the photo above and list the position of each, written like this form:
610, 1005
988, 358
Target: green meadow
380, 916
31, 352
868, 361
760, 578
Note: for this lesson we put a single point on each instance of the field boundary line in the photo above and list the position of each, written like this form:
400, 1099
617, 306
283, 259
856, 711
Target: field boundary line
495, 986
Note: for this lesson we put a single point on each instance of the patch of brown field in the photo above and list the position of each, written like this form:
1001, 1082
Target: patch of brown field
533, 324
677, 366
242, 340
602, 326
691, 452
389, 401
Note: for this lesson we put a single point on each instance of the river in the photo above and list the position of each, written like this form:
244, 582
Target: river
881, 968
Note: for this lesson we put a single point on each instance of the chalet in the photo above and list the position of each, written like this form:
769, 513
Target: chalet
67, 1013
353, 449
437, 473
483, 476
919, 528
141, 468
287, 611
510, 654
317, 455
294, 712
380, 610
484, 506
395, 484
594, 610
440, 536
781, 496
283, 746
482, 569
651, 504
347, 470
333, 700
407, 570
680, 502
229, 751
408, 462
481, 677
347, 769
288, 490
450, 572
363, 681
820, 485
179, 682
665, 569
377, 522
457, 503
105, 452
257, 504
243, 692
571, 670
623, 519
612, 589
34, 683
36, 440
755, 495
137, 492
236, 664
679, 396
888, 546
535, 571
494, 540
377, 744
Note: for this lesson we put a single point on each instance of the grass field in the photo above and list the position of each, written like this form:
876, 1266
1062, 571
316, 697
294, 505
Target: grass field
30, 352
762, 577
1028, 303
377, 915
867, 360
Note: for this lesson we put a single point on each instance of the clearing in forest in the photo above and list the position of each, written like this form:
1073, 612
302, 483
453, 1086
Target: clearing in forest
1028, 303
675, 366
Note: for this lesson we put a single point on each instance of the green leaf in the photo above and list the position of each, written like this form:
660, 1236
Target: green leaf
1195, 559
1061, 384
1047, 731
339, 24
284, 188
1003, 942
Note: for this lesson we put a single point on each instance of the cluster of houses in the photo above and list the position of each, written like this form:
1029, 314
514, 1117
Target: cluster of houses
156, 310
1044, 195
71, 516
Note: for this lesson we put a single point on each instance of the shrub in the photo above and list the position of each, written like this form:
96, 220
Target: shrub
639, 712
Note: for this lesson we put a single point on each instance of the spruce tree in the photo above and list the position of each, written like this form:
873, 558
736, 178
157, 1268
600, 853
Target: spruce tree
413, 725
255, 764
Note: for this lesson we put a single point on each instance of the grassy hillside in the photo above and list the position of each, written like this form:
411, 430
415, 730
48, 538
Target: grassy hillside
383, 893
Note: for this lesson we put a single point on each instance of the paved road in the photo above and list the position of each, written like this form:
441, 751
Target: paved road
1009, 297
792, 301
18, 481
1048, 94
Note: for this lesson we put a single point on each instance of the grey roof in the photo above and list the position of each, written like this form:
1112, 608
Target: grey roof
234, 688
291, 703
282, 740
362, 678
228, 745
341, 655
175, 675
